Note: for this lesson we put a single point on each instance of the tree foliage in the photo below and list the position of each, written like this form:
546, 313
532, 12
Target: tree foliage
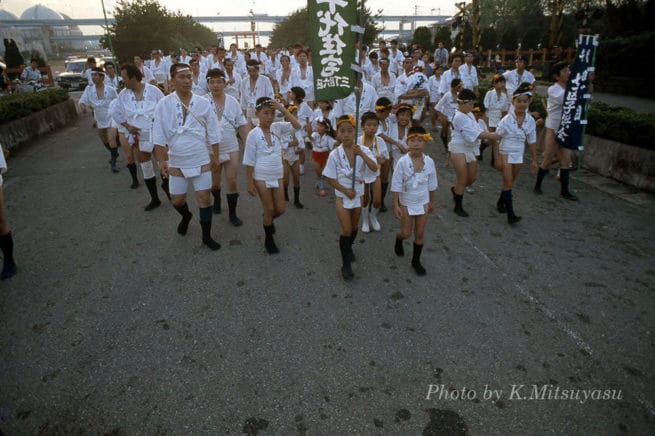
13, 56
295, 29
442, 34
423, 37
142, 25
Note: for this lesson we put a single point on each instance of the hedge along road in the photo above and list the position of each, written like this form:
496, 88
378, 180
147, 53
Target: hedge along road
117, 324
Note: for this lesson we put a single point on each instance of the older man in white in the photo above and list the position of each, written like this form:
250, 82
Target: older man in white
188, 125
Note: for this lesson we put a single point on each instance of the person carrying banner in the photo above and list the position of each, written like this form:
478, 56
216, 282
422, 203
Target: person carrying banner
186, 130
413, 185
347, 176
466, 132
516, 128
553, 152
262, 158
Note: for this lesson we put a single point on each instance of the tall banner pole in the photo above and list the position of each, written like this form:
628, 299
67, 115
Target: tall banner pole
570, 133
108, 35
359, 78
332, 28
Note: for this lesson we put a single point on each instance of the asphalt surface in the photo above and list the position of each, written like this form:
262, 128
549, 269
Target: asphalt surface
117, 325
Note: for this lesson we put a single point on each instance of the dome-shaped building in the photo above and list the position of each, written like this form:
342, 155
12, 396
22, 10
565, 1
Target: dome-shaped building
40, 12
6, 15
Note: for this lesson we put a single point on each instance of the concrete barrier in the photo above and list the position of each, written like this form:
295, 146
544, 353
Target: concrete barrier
17, 132
625, 163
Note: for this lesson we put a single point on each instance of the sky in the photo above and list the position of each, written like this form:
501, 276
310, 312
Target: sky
93, 9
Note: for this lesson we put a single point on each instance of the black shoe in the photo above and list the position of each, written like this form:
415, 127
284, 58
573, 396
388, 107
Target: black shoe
9, 269
235, 221
460, 212
298, 205
183, 226
568, 196
383, 208
152, 205
271, 248
134, 185
419, 268
513, 219
537, 190
209, 242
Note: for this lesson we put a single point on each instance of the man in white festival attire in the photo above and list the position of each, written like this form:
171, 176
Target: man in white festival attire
188, 125
412, 87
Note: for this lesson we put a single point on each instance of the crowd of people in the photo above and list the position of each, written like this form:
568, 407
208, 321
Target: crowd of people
194, 112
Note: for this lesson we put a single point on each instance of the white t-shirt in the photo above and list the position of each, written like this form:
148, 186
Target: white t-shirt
233, 86
249, 96
513, 80
515, 136
495, 106
307, 84
138, 113
322, 143
338, 168
384, 90
189, 138
465, 130
447, 79
433, 88
555, 105
161, 72
447, 105
100, 106
414, 187
347, 105
469, 76
264, 158
231, 119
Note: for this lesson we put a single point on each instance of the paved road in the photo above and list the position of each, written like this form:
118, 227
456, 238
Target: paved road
637, 104
115, 324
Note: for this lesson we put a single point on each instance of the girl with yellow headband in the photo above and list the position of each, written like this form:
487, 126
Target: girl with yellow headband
372, 190
347, 167
413, 185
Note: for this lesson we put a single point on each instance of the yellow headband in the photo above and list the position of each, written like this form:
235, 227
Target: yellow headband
476, 109
382, 107
350, 120
406, 106
424, 136
291, 108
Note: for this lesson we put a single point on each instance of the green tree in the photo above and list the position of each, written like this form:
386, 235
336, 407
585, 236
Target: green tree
13, 56
142, 25
295, 29
423, 37
443, 35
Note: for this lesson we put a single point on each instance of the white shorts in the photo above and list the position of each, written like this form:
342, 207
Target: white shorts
468, 152
178, 185
513, 157
146, 147
227, 156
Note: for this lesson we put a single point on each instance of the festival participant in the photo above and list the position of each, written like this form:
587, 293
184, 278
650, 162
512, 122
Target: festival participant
199, 79
324, 109
98, 97
303, 76
413, 185
466, 132
396, 58
446, 108
346, 174
88, 67
387, 130
372, 67
348, 105
496, 102
469, 74
32, 73
412, 88
516, 128
160, 70
9, 267
146, 73
554, 151
186, 125
134, 110
517, 76
263, 160
233, 85
434, 82
403, 123
293, 145
323, 141
384, 81
441, 55
283, 76
239, 61
305, 115
450, 74
232, 122
111, 78
372, 188
252, 89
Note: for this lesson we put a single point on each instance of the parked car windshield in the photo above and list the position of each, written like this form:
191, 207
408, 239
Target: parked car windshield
75, 67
